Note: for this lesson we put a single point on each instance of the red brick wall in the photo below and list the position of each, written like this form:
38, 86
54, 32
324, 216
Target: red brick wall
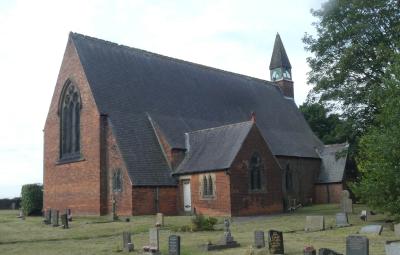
73, 185
144, 200
328, 193
243, 200
219, 205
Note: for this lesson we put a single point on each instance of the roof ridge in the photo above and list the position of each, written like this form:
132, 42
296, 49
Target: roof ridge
219, 127
270, 83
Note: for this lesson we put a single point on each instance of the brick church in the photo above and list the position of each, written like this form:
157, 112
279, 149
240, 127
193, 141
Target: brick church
158, 134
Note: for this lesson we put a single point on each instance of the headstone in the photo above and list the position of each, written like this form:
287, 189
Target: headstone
13, 206
342, 220
64, 221
392, 247
54, 218
315, 223
275, 242
357, 245
159, 220
127, 242
371, 229
69, 214
346, 203
47, 217
227, 240
364, 215
114, 210
326, 251
397, 229
174, 245
259, 239
154, 239
309, 250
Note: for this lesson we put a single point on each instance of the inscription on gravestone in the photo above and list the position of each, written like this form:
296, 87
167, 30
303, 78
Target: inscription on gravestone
275, 242
357, 245
342, 220
174, 245
259, 239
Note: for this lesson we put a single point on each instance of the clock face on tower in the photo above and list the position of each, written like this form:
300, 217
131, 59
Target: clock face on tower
276, 74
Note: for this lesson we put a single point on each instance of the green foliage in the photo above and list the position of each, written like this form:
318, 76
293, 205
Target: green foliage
32, 199
328, 127
355, 43
201, 223
379, 158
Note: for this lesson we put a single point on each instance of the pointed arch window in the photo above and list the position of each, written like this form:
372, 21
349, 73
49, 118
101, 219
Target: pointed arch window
117, 181
205, 186
256, 168
208, 186
70, 108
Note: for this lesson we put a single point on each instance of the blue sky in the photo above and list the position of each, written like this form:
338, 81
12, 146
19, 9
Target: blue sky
232, 35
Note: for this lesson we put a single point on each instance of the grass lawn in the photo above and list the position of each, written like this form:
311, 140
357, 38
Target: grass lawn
95, 235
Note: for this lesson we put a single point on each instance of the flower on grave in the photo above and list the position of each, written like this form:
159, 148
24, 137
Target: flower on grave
309, 248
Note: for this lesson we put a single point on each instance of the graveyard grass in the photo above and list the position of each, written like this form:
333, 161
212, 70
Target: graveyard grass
97, 235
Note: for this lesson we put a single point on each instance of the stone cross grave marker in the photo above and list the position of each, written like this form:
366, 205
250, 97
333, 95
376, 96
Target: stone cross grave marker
154, 239
371, 229
392, 248
315, 223
127, 244
397, 229
342, 220
346, 203
357, 245
160, 219
259, 239
275, 242
326, 251
54, 218
64, 221
174, 245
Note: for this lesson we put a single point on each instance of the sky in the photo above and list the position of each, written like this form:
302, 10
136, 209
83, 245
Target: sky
232, 35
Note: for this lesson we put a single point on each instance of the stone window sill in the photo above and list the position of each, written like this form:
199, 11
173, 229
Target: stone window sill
70, 160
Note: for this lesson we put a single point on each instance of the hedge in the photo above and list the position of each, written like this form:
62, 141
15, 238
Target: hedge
32, 199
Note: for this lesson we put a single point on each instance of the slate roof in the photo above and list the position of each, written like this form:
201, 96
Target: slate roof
213, 148
129, 84
279, 57
333, 165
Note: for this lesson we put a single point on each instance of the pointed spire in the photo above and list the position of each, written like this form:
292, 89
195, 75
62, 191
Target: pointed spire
279, 57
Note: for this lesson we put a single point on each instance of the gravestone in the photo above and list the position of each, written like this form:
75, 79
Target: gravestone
47, 217
309, 250
371, 229
174, 245
160, 219
346, 204
315, 223
154, 238
364, 215
127, 244
342, 220
54, 218
21, 214
357, 245
227, 240
397, 229
326, 251
259, 239
13, 206
69, 214
275, 242
392, 247
64, 221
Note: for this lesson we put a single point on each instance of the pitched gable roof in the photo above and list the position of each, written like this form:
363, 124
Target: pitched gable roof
279, 57
128, 83
213, 148
333, 159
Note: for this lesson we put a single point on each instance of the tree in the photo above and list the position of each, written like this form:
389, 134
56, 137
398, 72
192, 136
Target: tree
379, 157
32, 199
327, 126
356, 42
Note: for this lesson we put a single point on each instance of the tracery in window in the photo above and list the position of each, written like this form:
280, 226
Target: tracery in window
117, 181
70, 109
208, 186
256, 167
